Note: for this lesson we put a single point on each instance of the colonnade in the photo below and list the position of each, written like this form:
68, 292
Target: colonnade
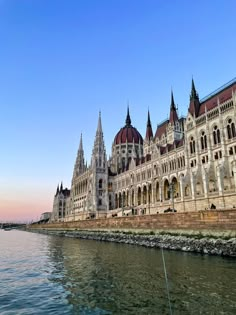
190, 186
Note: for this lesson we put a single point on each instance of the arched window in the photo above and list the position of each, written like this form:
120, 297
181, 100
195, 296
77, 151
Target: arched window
100, 184
203, 141
216, 135
192, 145
231, 129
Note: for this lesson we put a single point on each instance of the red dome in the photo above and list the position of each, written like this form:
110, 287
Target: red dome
128, 133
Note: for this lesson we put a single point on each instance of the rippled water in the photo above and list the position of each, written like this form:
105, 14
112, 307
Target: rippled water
41, 274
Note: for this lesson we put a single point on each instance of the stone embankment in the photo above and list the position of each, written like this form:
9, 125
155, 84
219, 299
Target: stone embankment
224, 245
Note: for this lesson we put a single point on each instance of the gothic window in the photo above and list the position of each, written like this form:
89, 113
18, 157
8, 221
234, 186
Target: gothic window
192, 145
216, 135
231, 129
203, 141
100, 184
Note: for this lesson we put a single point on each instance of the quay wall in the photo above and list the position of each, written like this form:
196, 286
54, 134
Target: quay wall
205, 232
218, 220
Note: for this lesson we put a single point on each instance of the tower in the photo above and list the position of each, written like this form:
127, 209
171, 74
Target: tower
99, 172
174, 129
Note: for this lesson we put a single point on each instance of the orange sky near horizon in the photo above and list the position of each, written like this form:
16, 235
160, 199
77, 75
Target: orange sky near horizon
25, 202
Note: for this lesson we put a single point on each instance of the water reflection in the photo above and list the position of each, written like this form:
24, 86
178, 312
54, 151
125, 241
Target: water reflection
106, 278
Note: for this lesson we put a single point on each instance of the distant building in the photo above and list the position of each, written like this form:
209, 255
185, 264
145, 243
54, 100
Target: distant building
188, 163
45, 216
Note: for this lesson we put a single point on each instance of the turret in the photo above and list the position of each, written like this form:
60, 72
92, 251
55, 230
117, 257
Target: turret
99, 178
79, 167
99, 158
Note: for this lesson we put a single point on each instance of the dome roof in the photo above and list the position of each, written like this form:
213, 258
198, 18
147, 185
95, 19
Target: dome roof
128, 133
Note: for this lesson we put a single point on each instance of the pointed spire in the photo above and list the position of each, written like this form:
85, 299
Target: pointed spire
194, 105
99, 151
128, 120
99, 127
81, 143
173, 111
193, 94
149, 133
79, 167
61, 187
172, 105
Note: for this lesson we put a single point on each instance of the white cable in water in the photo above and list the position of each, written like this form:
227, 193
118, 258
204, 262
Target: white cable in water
167, 285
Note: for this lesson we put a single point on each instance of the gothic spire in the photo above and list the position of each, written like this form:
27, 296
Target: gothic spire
172, 105
99, 127
81, 143
128, 120
193, 94
61, 187
149, 133
99, 151
173, 110
79, 163
194, 105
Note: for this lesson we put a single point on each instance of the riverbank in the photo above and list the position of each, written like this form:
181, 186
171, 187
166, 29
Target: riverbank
212, 243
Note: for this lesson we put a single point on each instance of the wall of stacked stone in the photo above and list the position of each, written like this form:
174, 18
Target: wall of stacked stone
198, 243
195, 220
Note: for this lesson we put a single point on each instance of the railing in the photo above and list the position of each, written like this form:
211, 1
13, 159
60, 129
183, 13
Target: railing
218, 90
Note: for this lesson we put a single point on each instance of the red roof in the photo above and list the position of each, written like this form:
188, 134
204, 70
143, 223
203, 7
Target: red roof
211, 102
161, 129
128, 134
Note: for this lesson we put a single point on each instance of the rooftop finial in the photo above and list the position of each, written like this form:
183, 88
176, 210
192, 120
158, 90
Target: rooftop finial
128, 120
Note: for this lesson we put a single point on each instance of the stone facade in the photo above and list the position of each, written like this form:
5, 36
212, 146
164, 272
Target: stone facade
189, 164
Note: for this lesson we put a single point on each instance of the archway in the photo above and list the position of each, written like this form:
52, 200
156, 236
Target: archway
139, 196
144, 194
132, 198
157, 192
175, 188
166, 189
123, 199
120, 204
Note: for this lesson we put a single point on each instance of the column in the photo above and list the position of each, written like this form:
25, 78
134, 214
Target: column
160, 191
181, 184
192, 180
205, 182
219, 174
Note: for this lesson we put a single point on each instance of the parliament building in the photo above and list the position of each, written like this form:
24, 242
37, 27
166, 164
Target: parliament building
186, 164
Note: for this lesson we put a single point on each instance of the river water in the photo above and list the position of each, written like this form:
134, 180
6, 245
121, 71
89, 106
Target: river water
43, 274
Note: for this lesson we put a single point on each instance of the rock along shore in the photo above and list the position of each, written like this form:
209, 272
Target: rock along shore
198, 243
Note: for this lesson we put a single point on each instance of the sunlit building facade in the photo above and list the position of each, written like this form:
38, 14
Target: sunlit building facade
188, 164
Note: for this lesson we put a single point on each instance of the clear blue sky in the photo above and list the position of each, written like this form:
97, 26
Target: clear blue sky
63, 61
